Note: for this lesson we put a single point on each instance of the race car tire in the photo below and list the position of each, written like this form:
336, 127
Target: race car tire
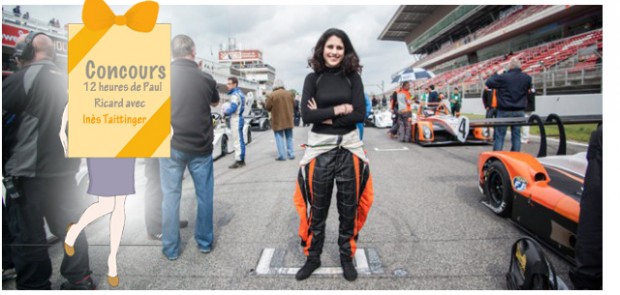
497, 189
265, 125
249, 136
224, 146
416, 136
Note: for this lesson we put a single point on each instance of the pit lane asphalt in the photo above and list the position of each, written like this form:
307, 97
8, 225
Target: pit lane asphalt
426, 230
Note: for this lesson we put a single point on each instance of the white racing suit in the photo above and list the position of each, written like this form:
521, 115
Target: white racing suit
235, 111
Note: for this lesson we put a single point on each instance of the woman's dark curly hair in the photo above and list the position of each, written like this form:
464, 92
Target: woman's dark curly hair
350, 62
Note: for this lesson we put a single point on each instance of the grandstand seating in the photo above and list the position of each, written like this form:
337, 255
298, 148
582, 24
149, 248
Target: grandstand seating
524, 12
533, 60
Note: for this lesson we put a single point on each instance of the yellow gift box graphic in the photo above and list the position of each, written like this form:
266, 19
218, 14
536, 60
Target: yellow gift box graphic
119, 83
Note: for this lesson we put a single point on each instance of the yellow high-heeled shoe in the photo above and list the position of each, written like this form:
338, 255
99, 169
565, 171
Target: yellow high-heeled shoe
68, 249
113, 281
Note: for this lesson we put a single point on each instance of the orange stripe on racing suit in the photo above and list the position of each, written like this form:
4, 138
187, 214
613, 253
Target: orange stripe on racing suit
303, 191
304, 195
365, 198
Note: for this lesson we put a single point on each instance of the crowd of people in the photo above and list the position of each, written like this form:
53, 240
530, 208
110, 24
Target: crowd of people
17, 12
504, 96
41, 183
404, 105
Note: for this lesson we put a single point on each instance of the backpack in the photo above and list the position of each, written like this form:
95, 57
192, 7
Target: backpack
529, 268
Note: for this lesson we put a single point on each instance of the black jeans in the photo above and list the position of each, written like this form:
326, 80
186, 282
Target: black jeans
491, 113
55, 199
337, 165
7, 238
588, 271
153, 196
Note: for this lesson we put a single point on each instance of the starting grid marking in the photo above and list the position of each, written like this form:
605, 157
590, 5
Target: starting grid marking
264, 266
392, 150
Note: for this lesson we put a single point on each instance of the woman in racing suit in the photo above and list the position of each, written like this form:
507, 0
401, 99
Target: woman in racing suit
333, 101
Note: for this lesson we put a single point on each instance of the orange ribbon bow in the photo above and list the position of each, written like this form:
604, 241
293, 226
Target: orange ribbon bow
141, 17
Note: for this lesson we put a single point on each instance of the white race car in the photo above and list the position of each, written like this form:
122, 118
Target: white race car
222, 136
382, 119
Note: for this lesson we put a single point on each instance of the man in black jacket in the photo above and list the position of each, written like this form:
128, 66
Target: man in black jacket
43, 179
512, 89
588, 270
193, 92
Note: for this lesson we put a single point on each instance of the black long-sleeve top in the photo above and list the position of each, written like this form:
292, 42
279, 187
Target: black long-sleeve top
333, 88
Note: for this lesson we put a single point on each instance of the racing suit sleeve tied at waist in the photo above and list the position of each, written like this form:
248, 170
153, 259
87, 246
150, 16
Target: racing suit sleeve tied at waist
322, 143
313, 193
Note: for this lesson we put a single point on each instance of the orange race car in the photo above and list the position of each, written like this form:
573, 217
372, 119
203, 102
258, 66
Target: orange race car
541, 195
433, 125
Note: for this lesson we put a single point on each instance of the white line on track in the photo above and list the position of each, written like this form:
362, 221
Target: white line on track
264, 265
392, 150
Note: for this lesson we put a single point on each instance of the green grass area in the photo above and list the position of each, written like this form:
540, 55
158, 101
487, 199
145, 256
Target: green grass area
473, 116
578, 132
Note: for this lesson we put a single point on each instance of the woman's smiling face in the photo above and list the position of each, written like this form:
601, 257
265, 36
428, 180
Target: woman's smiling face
333, 52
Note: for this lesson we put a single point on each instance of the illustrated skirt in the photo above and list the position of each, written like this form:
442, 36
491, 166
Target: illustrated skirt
111, 176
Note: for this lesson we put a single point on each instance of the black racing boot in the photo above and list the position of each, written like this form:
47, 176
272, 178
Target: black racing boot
237, 164
348, 269
309, 267
86, 283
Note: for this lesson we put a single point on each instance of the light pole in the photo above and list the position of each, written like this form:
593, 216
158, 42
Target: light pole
380, 86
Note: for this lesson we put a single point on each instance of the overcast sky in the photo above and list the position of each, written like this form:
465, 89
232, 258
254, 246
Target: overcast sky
285, 34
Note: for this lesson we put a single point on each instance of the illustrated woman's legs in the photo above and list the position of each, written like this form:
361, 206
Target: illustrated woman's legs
117, 224
102, 207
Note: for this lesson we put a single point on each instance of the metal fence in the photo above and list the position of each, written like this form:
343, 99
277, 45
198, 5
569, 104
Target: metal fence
554, 81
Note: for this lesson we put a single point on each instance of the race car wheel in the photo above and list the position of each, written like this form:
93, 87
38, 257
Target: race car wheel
266, 125
416, 136
498, 189
224, 146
